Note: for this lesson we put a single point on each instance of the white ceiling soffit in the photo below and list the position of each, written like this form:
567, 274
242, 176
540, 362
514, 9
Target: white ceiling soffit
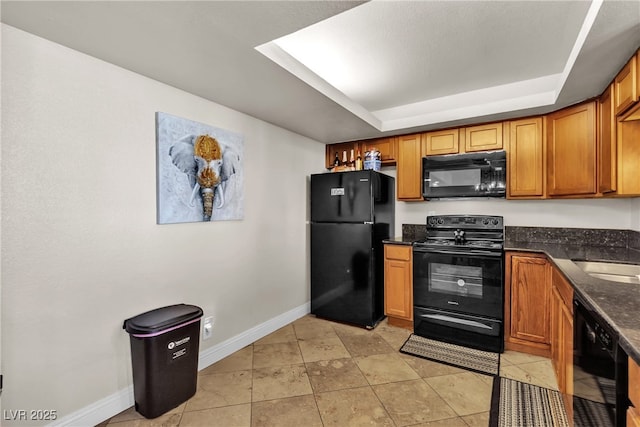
517, 56
403, 67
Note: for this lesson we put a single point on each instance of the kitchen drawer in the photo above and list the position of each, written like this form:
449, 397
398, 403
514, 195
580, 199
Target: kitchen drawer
398, 252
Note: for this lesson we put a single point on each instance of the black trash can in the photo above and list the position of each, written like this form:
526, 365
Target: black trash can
164, 357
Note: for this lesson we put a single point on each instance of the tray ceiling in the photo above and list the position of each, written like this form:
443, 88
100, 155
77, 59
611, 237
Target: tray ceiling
337, 71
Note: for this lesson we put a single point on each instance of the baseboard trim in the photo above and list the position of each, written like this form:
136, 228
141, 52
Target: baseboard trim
218, 352
106, 408
99, 411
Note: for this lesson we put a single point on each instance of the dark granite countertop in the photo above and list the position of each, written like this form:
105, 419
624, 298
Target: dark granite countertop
399, 241
618, 304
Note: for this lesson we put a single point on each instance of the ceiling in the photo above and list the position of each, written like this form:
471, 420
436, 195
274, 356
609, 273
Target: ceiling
344, 70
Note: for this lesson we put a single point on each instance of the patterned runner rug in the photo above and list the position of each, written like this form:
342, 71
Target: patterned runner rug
484, 362
518, 404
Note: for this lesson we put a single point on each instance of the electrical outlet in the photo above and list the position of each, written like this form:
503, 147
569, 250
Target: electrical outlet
207, 328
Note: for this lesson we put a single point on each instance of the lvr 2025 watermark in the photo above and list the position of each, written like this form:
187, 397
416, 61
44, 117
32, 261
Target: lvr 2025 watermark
29, 414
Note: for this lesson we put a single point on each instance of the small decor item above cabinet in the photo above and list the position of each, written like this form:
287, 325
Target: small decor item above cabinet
385, 146
372, 160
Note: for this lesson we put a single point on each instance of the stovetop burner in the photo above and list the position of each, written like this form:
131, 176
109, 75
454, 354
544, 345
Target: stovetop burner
470, 244
464, 231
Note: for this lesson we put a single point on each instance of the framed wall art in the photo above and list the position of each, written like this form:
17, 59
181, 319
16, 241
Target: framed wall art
199, 171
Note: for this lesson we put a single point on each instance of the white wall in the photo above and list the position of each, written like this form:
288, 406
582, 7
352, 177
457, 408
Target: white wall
635, 214
578, 213
81, 250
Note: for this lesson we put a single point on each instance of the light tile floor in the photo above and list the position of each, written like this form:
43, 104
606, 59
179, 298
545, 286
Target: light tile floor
314, 372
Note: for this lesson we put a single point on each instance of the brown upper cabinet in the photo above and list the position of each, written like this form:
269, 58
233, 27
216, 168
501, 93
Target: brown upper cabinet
526, 168
386, 147
441, 142
628, 153
340, 149
626, 86
483, 137
607, 155
586, 150
463, 140
619, 133
409, 172
571, 151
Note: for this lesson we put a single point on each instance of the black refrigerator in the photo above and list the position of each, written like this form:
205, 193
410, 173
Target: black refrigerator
351, 214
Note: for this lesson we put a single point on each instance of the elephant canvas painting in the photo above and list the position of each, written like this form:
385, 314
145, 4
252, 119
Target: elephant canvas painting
200, 171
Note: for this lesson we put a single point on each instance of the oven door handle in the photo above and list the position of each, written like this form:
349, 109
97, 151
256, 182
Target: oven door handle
467, 252
455, 320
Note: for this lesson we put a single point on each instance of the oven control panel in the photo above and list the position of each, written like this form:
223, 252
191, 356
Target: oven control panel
593, 330
604, 337
466, 221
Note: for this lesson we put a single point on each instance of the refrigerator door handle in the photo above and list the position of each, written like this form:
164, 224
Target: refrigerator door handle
368, 222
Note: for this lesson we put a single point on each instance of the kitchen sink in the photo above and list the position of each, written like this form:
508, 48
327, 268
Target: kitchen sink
615, 272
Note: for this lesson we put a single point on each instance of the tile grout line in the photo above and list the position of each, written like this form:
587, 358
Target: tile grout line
387, 337
367, 379
306, 370
313, 393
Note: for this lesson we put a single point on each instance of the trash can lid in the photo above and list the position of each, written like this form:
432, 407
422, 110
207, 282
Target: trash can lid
155, 321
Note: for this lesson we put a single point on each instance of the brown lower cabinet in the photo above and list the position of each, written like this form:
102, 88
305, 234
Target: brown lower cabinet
562, 336
398, 285
633, 413
539, 314
633, 417
527, 293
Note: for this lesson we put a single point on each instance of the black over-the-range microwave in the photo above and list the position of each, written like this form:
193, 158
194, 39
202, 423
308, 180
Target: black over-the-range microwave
481, 174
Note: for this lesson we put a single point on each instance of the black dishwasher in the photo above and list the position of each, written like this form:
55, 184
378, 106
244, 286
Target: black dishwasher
599, 372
